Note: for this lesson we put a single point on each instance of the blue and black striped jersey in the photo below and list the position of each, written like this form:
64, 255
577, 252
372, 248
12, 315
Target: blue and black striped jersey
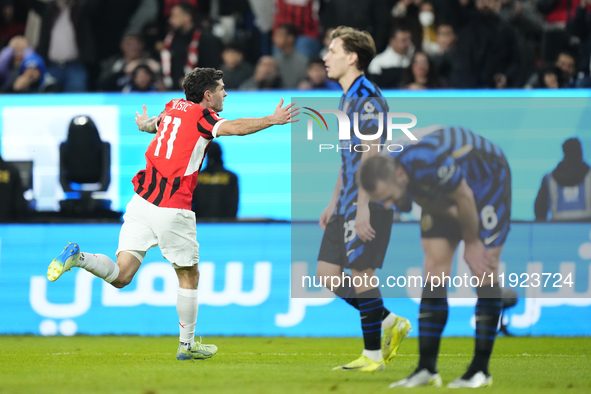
440, 160
366, 99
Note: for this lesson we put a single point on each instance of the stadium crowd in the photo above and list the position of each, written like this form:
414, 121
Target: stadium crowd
148, 45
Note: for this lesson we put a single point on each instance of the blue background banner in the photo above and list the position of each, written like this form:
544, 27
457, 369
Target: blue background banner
33, 126
245, 289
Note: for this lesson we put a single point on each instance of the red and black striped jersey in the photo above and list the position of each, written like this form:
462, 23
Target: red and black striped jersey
301, 13
175, 155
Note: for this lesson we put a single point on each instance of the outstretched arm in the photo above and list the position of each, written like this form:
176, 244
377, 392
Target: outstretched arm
145, 123
245, 126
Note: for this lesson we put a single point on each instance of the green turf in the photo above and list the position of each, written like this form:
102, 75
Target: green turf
272, 365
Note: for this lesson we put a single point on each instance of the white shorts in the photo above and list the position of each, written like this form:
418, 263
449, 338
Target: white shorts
145, 225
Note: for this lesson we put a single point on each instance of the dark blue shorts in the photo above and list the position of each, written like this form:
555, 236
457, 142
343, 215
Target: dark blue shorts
341, 245
493, 201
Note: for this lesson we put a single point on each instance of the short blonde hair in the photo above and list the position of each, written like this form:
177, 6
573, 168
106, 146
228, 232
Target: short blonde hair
360, 42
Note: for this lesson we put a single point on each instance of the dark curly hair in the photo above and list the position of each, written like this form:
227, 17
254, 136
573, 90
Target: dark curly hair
200, 80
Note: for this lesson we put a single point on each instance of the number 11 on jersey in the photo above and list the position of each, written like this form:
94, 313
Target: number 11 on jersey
176, 122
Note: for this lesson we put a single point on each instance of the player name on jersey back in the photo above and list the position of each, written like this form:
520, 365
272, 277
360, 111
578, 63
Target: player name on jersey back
175, 155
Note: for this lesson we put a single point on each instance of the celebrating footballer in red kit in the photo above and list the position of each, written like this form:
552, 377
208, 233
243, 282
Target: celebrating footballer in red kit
160, 211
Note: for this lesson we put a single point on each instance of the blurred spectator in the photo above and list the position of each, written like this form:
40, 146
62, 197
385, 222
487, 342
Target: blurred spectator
427, 20
421, 74
564, 67
524, 16
216, 195
487, 52
386, 69
116, 18
550, 78
235, 69
11, 58
186, 46
303, 14
169, 4
406, 13
116, 71
565, 191
142, 79
228, 18
292, 64
14, 205
498, 46
326, 42
369, 15
153, 34
446, 38
166, 7
454, 12
443, 59
527, 21
66, 40
266, 76
567, 64
580, 28
32, 77
263, 22
13, 20
317, 77
554, 35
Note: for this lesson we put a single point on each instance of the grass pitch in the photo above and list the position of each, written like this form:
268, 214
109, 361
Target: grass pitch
147, 365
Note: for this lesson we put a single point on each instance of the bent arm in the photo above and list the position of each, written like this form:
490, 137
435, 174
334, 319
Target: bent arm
337, 187
145, 123
150, 125
467, 211
363, 197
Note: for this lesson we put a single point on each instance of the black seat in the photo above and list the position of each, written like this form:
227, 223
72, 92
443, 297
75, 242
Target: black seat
85, 160
85, 167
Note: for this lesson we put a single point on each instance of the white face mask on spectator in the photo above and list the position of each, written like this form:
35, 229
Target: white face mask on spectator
426, 18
